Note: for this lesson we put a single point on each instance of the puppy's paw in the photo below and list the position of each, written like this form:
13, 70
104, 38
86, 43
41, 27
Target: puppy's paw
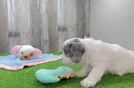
86, 83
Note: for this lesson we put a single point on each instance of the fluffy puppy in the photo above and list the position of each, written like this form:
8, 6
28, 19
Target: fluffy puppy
26, 52
98, 58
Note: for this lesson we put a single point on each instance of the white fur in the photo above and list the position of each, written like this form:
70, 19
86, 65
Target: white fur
100, 58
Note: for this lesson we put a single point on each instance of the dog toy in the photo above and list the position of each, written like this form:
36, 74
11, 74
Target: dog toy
53, 76
26, 52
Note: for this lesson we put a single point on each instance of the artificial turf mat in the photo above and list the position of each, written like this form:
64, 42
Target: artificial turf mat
26, 79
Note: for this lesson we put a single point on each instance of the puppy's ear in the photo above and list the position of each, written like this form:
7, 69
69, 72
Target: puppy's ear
77, 51
15, 49
68, 48
38, 53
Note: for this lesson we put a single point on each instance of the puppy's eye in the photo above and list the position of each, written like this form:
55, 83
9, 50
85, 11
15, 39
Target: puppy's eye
70, 45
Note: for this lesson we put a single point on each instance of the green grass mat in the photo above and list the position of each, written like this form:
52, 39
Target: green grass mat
26, 79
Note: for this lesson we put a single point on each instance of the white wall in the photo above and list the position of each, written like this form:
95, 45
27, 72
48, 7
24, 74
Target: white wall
113, 21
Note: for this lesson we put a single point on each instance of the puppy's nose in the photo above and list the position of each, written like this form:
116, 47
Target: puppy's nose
61, 58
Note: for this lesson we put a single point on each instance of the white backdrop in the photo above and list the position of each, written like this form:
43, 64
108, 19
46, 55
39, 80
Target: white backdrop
113, 21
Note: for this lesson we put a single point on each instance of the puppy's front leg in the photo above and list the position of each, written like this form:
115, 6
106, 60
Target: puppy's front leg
93, 77
84, 71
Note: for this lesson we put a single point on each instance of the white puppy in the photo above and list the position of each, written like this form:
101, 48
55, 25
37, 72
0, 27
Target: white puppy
98, 58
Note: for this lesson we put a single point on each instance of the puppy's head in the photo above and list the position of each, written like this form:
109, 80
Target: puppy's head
73, 50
